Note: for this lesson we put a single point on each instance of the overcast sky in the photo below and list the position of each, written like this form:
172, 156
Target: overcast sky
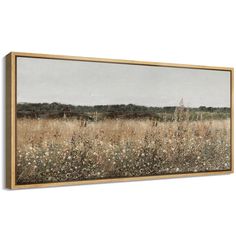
94, 83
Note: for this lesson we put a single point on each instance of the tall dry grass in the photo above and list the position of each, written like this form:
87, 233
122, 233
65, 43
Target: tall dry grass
62, 150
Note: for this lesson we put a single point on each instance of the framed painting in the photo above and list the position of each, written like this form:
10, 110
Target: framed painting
77, 120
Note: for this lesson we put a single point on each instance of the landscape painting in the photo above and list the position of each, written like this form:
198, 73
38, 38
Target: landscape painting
79, 120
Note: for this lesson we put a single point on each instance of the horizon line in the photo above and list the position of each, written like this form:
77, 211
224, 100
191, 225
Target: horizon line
120, 104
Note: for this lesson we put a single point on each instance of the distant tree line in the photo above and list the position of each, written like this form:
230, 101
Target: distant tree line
130, 111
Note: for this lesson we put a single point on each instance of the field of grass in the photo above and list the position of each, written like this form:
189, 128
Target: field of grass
66, 150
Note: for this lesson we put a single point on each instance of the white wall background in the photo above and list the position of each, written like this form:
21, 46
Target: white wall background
192, 32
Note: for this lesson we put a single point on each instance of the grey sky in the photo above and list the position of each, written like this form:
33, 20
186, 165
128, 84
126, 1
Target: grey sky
94, 83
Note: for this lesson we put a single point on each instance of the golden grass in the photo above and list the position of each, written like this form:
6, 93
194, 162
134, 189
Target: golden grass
62, 150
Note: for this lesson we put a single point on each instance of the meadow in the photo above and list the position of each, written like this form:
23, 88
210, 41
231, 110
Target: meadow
56, 150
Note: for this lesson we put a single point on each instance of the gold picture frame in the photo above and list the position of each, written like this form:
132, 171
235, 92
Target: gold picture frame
11, 119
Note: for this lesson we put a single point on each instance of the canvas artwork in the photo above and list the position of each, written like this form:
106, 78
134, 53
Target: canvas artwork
81, 120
